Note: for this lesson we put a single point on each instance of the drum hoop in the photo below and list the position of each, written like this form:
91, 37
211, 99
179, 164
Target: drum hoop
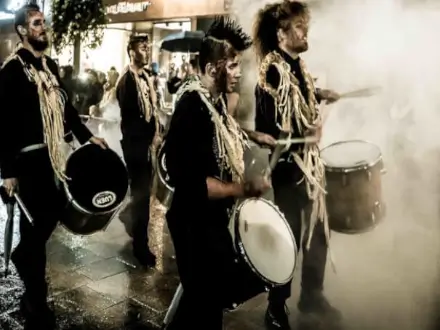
354, 168
75, 204
158, 166
242, 251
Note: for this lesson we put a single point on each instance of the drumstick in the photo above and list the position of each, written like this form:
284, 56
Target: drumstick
276, 154
97, 118
363, 92
307, 139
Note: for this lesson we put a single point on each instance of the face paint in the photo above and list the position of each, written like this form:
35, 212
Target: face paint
36, 31
142, 53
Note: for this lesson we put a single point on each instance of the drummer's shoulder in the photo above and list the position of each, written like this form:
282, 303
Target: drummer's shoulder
188, 100
269, 79
122, 81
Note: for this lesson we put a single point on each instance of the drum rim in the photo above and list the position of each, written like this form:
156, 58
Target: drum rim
158, 166
242, 251
80, 208
356, 167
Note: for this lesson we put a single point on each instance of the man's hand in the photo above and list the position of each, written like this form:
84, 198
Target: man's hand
157, 141
11, 186
263, 139
94, 111
99, 141
329, 96
256, 187
315, 132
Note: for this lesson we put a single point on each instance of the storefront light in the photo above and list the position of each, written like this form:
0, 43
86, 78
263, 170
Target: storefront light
6, 16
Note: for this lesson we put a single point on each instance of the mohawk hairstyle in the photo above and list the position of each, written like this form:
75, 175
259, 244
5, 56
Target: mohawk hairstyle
224, 39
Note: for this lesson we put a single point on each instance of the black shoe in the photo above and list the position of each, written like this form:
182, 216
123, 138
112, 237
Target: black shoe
317, 303
144, 256
277, 317
37, 316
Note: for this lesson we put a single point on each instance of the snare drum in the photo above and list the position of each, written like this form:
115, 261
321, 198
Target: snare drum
163, 189
266, 251
96, 189
353, 172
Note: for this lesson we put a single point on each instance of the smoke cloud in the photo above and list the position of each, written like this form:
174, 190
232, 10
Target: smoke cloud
386, 278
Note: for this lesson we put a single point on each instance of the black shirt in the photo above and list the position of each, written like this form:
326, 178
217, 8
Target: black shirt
133, 122
190, 160
20, 114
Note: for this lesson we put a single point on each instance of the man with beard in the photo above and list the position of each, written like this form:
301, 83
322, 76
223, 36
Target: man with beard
139, 125
204, 156
287, 102
36, 114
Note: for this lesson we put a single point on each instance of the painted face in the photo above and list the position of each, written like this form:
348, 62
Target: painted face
228, 73
296, 40
36, 31
232, 73
142, 53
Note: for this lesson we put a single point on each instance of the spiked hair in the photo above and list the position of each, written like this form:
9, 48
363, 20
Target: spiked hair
224, 39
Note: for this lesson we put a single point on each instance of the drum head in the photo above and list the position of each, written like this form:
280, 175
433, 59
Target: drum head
267, 241
98, 179
350, 154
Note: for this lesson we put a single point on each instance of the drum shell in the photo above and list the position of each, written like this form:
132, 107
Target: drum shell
163, 194
162, 190
94, 197
81, 223
354, 197
248, 282
245, 286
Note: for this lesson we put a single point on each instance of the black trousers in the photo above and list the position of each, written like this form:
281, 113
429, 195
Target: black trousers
292, 200
45, 202
139, 166
204, 260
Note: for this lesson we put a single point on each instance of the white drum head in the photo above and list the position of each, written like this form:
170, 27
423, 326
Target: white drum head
267, 241
348, 154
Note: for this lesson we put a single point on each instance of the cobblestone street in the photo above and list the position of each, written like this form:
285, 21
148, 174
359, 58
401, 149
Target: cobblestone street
96, 284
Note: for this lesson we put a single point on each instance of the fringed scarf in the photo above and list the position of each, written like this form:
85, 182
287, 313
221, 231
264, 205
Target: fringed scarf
52, 104
291, 105
229, 139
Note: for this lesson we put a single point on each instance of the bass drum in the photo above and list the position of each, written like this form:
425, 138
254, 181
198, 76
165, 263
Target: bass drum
163, 189
354, 186
265, 249
96, 189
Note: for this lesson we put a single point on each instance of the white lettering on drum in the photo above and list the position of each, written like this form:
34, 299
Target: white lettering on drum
104, 199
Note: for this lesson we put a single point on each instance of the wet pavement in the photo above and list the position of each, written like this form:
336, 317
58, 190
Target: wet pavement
384, 279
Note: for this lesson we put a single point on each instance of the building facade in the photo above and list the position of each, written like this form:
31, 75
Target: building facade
157, 18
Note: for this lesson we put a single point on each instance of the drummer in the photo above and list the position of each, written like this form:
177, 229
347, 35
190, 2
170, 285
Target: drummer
207, 177
31, 154
280, 36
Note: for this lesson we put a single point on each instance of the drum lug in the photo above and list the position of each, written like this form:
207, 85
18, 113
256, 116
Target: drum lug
383, 171
344, 179
348, 221
373, 217
369, 175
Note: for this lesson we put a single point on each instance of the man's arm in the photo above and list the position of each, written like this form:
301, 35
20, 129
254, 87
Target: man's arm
9, 89
265, 113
